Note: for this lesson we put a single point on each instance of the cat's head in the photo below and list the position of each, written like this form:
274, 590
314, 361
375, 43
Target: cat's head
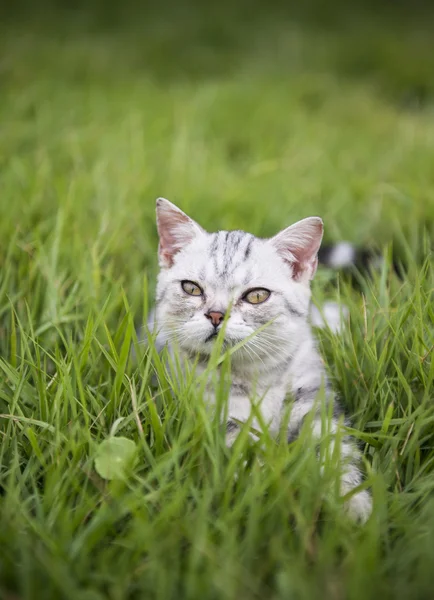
204, 275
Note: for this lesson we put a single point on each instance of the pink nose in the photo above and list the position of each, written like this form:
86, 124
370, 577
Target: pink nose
215, 317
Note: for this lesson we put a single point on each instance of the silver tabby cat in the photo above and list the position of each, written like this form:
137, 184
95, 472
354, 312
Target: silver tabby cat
203, 275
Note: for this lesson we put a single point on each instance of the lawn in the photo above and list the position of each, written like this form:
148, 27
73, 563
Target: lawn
250, 116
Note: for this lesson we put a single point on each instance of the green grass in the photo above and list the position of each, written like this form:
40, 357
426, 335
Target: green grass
248, 117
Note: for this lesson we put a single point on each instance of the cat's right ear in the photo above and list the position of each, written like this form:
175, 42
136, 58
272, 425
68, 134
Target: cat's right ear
175, 229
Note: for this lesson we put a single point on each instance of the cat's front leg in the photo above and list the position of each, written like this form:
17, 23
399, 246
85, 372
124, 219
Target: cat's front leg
240, 411
359, 505
232, 419
232, 431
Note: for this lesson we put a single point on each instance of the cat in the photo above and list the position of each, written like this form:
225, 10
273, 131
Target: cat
262, 284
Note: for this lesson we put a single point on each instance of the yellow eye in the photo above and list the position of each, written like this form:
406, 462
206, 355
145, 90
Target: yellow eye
257, 296
191, 288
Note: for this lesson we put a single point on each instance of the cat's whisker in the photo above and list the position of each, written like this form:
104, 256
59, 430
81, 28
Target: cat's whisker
249, 346
265, 342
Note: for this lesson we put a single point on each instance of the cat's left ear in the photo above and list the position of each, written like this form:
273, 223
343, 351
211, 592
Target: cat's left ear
298, 245
176, 230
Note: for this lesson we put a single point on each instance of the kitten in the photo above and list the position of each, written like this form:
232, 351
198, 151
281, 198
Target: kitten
264, 281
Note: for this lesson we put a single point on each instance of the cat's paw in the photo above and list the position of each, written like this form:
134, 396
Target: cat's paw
359, 507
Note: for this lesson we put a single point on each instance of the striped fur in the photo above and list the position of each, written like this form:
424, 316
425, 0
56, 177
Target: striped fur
281, 361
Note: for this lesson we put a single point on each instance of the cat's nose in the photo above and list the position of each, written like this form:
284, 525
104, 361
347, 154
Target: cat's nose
215, 317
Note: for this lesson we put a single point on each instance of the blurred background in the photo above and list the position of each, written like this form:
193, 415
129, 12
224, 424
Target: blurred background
247, 114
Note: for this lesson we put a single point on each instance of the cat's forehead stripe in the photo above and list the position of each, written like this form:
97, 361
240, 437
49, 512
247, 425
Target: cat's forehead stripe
229, 249
248, 247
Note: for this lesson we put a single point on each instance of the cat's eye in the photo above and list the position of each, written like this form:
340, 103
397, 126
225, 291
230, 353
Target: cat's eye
257, 296
191, 288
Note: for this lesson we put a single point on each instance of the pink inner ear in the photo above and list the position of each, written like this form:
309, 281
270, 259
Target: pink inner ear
299, 244
175, 232
169, 225
300, 270
175, 229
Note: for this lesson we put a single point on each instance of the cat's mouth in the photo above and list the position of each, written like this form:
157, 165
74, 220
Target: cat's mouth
213, 335
226, 343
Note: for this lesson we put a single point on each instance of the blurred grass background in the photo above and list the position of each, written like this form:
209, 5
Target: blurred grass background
248, 115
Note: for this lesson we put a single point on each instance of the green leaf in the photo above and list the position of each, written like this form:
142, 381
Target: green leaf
114, 457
